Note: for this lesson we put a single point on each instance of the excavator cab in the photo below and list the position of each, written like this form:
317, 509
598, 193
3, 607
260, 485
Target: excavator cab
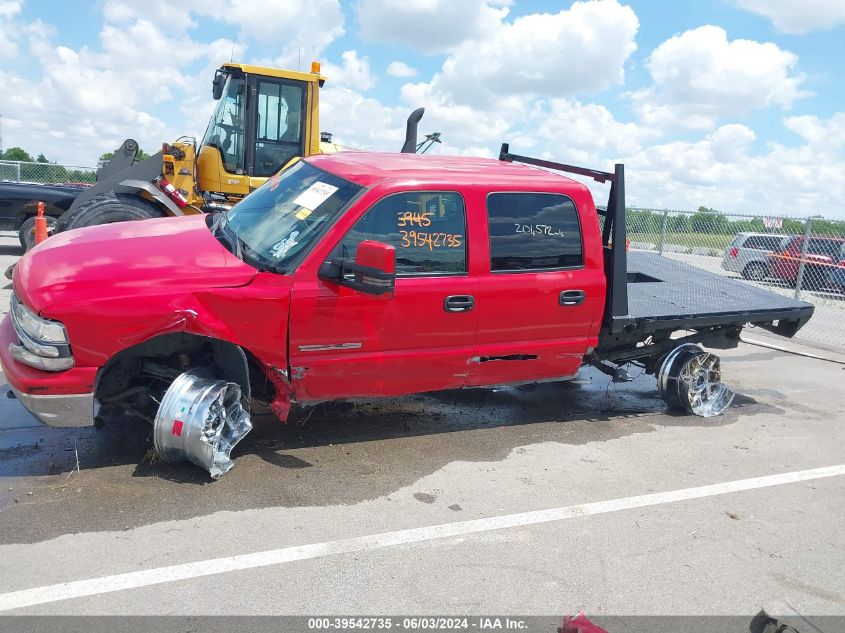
264, 117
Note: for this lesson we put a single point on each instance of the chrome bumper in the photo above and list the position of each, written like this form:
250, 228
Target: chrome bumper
66, 410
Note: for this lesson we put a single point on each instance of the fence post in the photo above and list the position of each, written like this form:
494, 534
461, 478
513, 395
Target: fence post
18, 165
662, 231
808, 230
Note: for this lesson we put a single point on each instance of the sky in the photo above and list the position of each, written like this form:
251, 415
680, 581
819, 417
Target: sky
737, 105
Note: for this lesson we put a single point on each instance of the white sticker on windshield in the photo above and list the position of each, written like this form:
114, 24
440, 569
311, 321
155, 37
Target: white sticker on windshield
281, 247
315, 195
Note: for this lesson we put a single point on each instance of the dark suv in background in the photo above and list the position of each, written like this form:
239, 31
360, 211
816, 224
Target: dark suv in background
19, 204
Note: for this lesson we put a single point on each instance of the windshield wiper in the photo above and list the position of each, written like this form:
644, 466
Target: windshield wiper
220, 220
218, 230
235, 245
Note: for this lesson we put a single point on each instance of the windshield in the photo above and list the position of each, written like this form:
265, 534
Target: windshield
282, 218
226, 128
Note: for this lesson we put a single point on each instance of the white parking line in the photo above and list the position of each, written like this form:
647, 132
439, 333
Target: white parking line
147, 577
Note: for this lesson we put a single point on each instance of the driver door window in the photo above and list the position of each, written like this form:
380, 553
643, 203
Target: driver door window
428, 230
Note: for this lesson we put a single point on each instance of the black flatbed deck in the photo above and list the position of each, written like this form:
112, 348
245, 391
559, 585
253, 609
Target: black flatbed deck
667, 294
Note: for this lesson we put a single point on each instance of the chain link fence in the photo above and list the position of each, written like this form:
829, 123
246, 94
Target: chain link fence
802, 258
46, 173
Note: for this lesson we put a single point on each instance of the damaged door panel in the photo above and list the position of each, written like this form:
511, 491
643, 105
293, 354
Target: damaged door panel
539, 303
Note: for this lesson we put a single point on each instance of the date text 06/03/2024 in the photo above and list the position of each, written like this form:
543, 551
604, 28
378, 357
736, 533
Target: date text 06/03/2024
420, 623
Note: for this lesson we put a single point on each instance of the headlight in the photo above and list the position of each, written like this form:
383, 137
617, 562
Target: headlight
39, 362
41, 330
45, 343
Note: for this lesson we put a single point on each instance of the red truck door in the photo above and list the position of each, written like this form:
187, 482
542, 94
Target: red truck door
346, 343
540, 302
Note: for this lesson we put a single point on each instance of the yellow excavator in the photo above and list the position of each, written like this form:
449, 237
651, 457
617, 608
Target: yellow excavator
264, 119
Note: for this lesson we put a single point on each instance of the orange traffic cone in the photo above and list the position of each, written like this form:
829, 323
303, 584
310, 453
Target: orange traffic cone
40, 225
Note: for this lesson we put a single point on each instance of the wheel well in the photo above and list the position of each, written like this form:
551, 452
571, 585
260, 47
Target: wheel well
134, 379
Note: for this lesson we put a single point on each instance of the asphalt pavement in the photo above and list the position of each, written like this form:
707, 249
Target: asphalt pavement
541, 499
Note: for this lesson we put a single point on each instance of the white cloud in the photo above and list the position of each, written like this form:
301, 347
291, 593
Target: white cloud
429, 25
354, 72
87, 100
303, 30
791, 16
362, 122
829, 133
559, 55
722, 171
8, 10
400, 69
700, 76
571, 126
298, 32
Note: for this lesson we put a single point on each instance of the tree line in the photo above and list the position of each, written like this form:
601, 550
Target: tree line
713, 222
41, 169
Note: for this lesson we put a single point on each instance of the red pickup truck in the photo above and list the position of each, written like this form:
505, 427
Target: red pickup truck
362, 275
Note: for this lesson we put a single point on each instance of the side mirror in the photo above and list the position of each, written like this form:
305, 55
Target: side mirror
217, 85
373, 270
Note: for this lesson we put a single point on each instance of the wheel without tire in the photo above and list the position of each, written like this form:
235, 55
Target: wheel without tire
26, 234
691, 378
756, 271
110, 208
200, 419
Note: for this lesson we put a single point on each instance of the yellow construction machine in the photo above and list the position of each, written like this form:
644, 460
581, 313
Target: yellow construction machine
264, 118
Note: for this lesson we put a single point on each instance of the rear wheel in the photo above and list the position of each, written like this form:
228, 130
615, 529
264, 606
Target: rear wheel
26, 234
110, 208
756, 271
691, 378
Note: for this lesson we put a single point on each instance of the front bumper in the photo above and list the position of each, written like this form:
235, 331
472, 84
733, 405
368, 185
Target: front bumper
62, 410
56, 398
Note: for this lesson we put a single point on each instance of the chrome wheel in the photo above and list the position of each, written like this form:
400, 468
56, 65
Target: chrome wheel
200, 420
691, 378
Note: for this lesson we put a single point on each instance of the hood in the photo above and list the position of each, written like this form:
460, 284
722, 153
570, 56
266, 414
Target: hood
127, 259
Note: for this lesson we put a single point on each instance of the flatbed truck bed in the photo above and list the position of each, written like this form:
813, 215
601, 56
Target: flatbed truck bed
667, 294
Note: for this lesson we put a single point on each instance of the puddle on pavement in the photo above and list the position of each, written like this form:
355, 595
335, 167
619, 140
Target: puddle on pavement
333, 453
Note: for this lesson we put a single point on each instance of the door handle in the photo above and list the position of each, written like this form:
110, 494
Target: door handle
458, 303
571, 297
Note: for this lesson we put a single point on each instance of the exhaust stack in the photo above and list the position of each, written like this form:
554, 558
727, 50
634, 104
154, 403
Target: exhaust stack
410, 146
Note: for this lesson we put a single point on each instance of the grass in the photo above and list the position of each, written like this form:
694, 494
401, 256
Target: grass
689, 240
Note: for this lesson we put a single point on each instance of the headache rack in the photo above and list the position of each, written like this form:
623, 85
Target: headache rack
613, 234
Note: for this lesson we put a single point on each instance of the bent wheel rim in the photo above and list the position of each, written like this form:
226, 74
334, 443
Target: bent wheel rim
691, 378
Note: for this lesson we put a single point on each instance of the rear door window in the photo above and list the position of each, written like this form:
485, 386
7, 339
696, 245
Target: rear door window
533, 231
830, 248
763, 242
